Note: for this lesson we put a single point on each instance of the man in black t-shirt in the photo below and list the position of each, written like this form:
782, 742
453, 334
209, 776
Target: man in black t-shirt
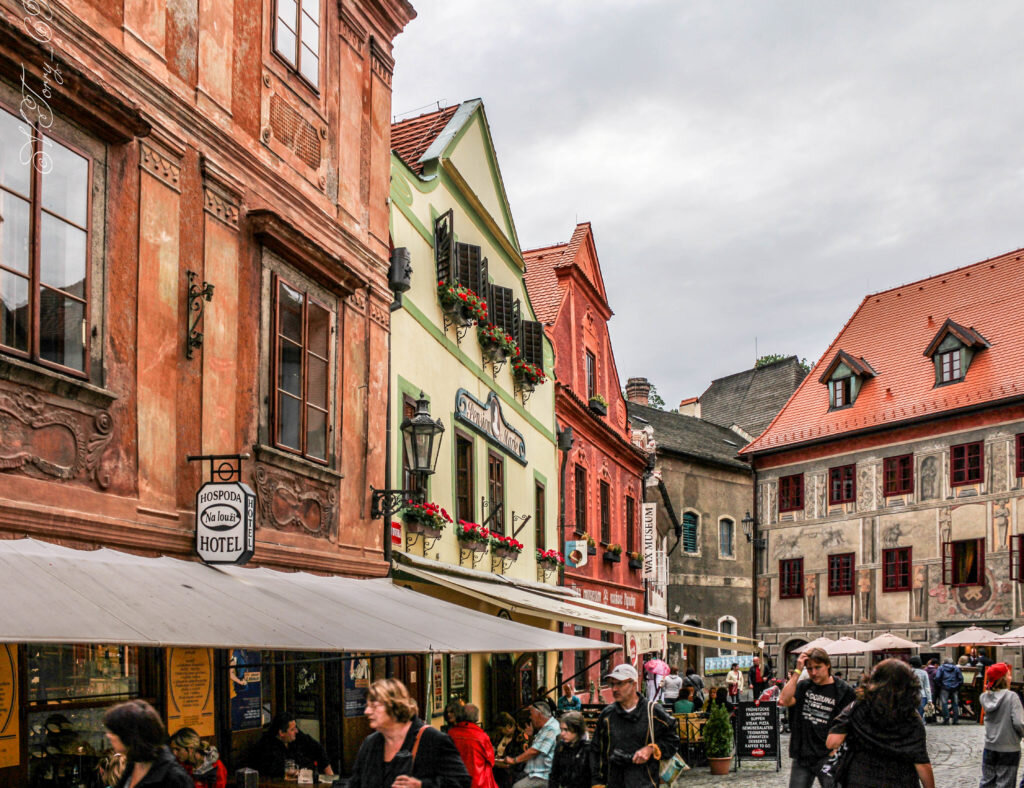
814, 703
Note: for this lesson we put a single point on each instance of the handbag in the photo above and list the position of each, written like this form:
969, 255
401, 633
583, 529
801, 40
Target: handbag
669, 769
832, 772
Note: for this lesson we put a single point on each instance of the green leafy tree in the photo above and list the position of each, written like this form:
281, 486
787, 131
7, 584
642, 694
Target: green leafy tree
771, 358
654, 399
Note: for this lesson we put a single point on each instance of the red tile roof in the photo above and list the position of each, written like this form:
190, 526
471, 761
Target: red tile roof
542, 282
891, 330
411, 138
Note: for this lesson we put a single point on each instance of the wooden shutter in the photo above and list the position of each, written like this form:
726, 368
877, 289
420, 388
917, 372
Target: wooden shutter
499, 308
947, 563
469, 267
531, 335
981, 561
444, 246
1016, 553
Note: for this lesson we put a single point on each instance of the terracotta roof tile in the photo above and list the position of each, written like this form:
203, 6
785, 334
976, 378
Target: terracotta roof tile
411, 138
891, 330
542, 282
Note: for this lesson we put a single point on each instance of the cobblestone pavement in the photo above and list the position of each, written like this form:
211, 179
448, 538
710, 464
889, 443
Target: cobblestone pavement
955, 751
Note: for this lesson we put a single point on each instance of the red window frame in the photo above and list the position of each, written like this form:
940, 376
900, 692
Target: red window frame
896, 565
791, 578
966, 463
591, 374
791, 493
580, 498
840, 574
1017, 558
842, 484
953, 569
950, 366
1020, 455
630, 524
606, 512
898, 473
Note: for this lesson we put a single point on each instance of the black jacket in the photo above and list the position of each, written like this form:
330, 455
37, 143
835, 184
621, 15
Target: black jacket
269, 754
438, 764
165, 772
571, 766
627, 732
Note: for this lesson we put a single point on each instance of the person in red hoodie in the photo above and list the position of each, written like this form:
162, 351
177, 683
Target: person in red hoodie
475, 747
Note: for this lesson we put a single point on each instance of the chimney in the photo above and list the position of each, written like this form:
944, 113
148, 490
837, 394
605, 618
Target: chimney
638, 390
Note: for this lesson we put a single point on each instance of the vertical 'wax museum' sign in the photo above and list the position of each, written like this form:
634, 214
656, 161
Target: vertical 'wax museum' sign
225, 523
650, 533
190, 690
10, 744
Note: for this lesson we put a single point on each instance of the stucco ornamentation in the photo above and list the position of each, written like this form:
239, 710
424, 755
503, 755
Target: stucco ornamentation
161, 167
220, 207
41, 439
1001, 523
379, 315
357, 301
292, 504
999, 466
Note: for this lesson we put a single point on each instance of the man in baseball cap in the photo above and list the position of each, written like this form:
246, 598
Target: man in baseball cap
622, 755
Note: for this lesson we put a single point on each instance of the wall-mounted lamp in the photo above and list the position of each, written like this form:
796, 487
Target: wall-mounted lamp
422, 438
750, 531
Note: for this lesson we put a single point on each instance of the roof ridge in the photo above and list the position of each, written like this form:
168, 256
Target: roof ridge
1019, 252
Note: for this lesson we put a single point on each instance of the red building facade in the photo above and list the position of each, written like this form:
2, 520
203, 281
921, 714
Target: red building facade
601, 490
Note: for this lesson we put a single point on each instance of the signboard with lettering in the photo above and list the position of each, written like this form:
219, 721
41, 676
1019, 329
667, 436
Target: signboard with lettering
650, 535
576, 553
10, 740
757, 731
190, 690
225, 523
489, 421
724, 664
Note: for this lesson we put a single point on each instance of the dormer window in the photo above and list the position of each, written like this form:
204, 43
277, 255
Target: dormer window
844, 378
952, 351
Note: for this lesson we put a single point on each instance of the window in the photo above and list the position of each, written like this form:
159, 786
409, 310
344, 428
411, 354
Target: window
727, 626
842, 484
606, 515
726, 530
963, 562
44, 248
580, 494
791, 578
297, 37
899, 474
496, 493
965, 464
591, 375
301, 371
538, 516
689, 532
840, 391
630, 525
840, 574
949, 366
580, 660
791, 493
464, 509
531, 342
896, 569
1020, 455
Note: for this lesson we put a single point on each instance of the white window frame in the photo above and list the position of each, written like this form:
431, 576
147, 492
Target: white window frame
731, 555
727, 652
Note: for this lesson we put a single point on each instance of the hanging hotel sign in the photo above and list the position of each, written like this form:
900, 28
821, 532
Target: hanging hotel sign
225, 523
489, 421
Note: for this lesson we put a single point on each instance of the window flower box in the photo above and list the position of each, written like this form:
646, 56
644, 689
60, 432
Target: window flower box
598, 405
591, 546
550, 558
505, 546
472, 536
636, 560
496, 344
613, 553
425, 518
527, 375
460, 304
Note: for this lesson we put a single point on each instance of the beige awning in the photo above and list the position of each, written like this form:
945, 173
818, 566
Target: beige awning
54, 594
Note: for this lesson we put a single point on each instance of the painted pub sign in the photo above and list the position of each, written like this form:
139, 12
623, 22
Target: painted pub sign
225, 523
488, 419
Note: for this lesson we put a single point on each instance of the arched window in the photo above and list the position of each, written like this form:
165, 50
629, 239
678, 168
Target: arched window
726, 538
727, 626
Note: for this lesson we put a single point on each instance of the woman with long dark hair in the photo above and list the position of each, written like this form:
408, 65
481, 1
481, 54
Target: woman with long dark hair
883, 731
570, 767
135, 730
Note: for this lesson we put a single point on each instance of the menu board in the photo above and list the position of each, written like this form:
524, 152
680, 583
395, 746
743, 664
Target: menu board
10, 745
757, 730
190, 690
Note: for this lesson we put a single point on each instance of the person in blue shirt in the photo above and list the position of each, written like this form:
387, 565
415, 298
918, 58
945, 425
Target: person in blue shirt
568, 701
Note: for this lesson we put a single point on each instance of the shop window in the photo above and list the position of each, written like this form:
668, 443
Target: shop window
840, 574
591, 374
966, 464
495, 493
606, 515
791, 578
1020, 455
301, 372
297, 37
580, 498
464, 509
580, 660
896, 569
726, 533
691, 524
963, 562
842, 484
899, 475
791, 493
630, 525
45, 247
539, 524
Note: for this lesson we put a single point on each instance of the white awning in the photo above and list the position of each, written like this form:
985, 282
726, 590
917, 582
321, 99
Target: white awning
54, 594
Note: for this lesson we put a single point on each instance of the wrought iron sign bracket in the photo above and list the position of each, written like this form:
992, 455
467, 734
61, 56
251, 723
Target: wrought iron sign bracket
224, 468
460, 330
476, 556
500, 564
196, 296
385, 504
412, 538
522, 519
523, 391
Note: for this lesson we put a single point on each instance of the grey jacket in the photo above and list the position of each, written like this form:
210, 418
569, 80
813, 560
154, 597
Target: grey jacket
1004, 720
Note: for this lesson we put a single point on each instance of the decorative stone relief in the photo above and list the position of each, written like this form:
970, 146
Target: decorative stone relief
41, 439
865, 489
159, 166
992, 600
290, 503
999, 467
357, 301
811, 598
930, 478
220, 207
380, 315
1001, 523
919, 597
820, 490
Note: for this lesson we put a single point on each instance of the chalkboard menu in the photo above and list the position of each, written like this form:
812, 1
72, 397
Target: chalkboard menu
757, 730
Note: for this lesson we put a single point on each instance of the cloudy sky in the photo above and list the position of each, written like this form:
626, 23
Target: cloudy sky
751, 169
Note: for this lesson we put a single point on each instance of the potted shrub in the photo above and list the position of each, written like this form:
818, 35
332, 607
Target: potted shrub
497, 345
591, 546
506, 546
473, 536
462, 306
636, 560
718, 740
613, 553
425, 518
599, 405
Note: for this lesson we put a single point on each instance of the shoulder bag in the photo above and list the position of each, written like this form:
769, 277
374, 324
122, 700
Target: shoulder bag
669, 769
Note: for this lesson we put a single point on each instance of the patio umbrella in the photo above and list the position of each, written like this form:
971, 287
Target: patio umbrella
888, 642
816, 643
847, 645
1015, 637
972, 636
657, 667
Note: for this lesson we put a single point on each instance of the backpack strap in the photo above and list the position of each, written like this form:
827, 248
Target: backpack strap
416, 744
